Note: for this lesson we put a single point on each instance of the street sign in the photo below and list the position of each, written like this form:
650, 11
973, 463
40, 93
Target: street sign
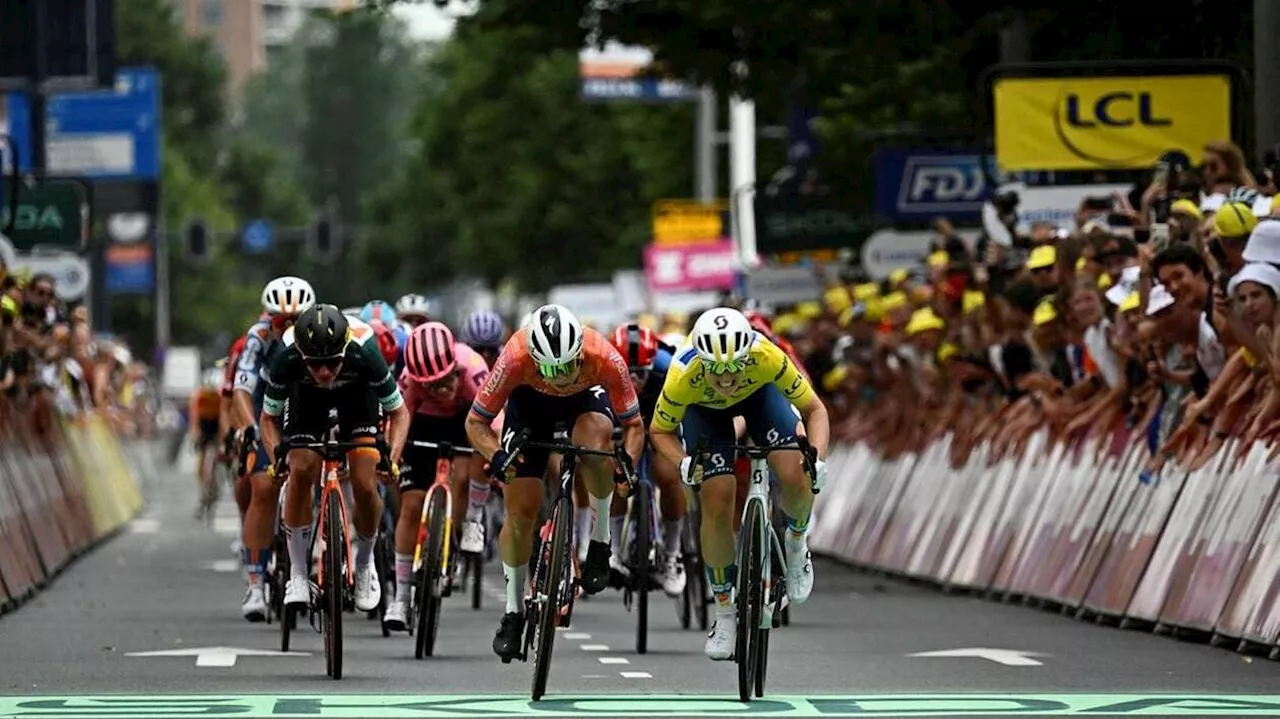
53, 214
102, 135
258, 236
130, 270
686, 222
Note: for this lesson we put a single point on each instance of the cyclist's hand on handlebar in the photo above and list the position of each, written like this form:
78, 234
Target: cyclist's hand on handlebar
500, 458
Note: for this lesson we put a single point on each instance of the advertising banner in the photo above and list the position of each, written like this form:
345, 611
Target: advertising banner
1092, 123
922, 183
616, 74
689, 222
684, 268
1058, 205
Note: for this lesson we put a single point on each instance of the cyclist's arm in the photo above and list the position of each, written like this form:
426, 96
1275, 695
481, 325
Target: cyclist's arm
626, 405
249, 368
383, 384
273, 403
793, 385
667, 414
492, 397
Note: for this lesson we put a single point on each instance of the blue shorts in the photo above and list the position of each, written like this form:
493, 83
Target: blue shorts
770, 420
257, 461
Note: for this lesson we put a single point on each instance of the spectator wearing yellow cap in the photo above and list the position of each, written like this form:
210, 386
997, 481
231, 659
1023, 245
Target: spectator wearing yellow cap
1042, 265
1052, 348
1185, 219
1016, 357
1232, 225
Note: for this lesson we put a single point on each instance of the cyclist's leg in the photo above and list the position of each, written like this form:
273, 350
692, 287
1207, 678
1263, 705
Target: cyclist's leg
771, 420
359, 417
716, 500
592, 428
522, 497
306, 417
416, 476
617, 516
672, 505
258, 532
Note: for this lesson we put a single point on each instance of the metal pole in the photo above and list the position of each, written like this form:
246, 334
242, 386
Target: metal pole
1266, 74
705, 146
742, 176
162, 279
40, 35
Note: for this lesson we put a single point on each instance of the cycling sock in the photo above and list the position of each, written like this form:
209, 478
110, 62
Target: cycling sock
796, 533
672, 534
258, 569
404, 576
299, 546
584, 526
615, 534
517, 577
476, 499
600, 508
250, 571
721, 583
363, 547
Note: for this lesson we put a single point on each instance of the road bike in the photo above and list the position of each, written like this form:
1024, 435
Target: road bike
333, 591
761, 589
433, 549
550, 602
639, 530
694, 603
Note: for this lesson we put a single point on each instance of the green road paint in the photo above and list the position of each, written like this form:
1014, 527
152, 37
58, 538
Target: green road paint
462, 705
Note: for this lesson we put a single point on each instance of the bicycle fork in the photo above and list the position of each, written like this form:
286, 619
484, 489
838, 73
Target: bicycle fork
770, 544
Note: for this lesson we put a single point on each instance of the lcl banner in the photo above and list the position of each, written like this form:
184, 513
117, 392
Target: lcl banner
686, 268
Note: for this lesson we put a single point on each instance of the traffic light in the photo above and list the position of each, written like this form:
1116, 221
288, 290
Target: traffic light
322, 240
198, 241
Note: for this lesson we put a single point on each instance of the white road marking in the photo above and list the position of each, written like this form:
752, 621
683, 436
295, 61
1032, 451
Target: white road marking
217, 656
1007, 657
225, 566
576, 635
614, 660
146, 525
636, 675
594, 648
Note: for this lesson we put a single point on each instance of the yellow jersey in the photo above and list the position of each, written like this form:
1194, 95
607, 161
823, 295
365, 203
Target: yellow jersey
686, 382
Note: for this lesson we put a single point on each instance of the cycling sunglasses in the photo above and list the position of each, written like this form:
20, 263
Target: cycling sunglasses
551, 371
331, 363
726, 367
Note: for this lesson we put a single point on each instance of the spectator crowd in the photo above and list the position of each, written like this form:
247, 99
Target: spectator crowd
1156, 316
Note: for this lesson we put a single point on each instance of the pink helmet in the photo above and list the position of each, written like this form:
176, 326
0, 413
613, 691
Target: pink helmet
429, 354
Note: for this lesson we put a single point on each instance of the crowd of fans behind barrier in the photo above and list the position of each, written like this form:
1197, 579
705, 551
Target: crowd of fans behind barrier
1156, 315
51, 361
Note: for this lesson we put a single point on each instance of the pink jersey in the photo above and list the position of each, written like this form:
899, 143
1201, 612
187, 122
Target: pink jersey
472, 372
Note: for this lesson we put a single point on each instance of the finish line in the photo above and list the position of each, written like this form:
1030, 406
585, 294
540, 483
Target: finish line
462, 705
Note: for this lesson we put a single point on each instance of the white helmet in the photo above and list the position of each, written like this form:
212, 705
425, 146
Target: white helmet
288, 296
722, 335
413, 305
555, 335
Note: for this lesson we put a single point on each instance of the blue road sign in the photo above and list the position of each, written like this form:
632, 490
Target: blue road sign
111, 134
258, 236
636, 89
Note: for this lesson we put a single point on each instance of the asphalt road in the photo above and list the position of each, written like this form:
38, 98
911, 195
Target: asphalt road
169, 584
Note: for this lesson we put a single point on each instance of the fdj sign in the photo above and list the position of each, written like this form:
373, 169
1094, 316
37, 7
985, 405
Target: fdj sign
50, 215
920, 184
1075, 123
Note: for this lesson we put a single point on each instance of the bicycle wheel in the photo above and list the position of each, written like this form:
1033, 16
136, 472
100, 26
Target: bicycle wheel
775, 593
551, 592
640, 569
429, 578
335, 581
382, 559
697, 595
477, 574
750, 598
279, 578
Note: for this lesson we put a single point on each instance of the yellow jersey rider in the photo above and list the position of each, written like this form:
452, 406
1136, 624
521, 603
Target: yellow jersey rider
724, 370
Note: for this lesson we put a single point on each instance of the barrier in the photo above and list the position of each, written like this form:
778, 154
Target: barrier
63, 488
1072, 528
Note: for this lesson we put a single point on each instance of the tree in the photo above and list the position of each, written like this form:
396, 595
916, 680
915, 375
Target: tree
516, 177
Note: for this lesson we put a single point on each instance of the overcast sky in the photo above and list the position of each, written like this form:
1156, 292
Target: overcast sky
425, 21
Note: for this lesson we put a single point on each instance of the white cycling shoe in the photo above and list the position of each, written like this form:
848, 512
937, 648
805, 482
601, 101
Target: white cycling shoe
472, 541
673, 579
254, 606
799, 572
368, 589
298, 592
723, 638
397, 618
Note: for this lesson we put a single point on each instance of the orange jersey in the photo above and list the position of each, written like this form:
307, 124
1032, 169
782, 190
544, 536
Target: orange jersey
601, 365
206, 404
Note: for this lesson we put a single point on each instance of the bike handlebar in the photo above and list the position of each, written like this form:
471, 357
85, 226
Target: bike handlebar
522, 441
444, 446
753, 451
331, 450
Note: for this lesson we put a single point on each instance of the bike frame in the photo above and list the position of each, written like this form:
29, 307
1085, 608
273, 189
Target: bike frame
444, 471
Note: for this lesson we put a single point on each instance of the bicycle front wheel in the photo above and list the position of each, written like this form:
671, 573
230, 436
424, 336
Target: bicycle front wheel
750, 597
550, 592
429, 578
640, 568
335, 581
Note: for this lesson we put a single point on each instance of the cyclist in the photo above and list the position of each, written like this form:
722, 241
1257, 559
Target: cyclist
647, 360
413, 310
440, 380
206, 405
283, 299
761, 323
392, 334
327, 361
485, 332
553, 371
726, 370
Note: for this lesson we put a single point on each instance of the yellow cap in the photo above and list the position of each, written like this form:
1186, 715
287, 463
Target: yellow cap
837, 298
1187, 207
1234, 219
973, 300
785, 323
1080, 263
8, 306
939, 259
893, 301
923, 320
898, 276
947, 351
809, 310
834, 377
875, 309
852, 313
866, 291
1132, 302
1045, 312
1042, 256
1104, 281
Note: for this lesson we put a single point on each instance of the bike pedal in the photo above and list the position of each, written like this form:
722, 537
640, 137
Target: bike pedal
506, 660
